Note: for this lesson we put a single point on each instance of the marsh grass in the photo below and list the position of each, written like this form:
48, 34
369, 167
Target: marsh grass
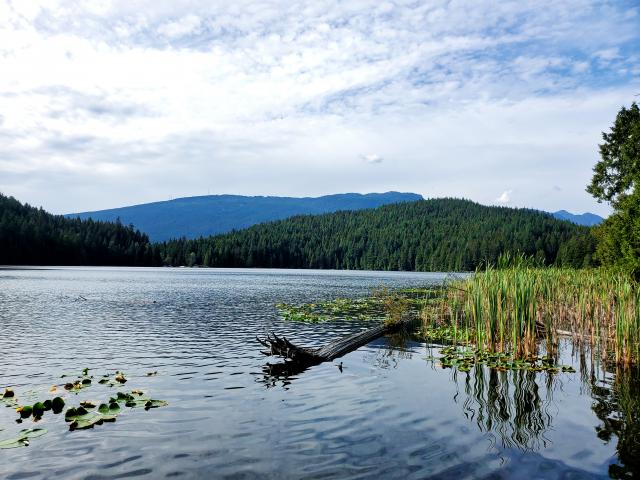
518, 306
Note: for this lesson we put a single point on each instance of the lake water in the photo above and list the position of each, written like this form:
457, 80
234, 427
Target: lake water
390, 413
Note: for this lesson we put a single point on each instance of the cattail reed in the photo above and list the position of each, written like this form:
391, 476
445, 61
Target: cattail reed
515, 307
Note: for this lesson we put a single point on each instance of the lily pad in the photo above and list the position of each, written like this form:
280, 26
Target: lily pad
8, 398
25, 411
115, 380
57, 405
78, 385
22, 440
39, 409
81, 419
136, 399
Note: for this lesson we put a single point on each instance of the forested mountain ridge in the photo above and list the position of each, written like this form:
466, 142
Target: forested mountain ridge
194, 217
31, 236
427, 235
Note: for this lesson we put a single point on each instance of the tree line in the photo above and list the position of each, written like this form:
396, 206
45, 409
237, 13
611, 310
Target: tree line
32, 236
428, 235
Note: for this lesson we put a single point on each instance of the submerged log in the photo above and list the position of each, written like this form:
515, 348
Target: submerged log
280, 346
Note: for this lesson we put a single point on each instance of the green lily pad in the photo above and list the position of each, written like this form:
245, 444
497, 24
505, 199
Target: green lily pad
136, 399
110, 409
22, 440
25, 411
81, 419
38, 409
57, 405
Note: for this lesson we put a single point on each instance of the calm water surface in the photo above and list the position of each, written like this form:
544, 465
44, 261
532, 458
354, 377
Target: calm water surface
391, 412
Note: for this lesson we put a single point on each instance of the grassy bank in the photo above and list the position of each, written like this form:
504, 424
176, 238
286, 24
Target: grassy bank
517, 308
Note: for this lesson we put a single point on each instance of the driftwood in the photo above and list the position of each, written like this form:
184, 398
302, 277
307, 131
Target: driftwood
280, 346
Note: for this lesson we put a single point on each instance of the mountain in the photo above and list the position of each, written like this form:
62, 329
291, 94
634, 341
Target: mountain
193, 217
426, 235
31, 236
586, 219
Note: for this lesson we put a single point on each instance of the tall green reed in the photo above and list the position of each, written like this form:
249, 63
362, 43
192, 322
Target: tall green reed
518, 305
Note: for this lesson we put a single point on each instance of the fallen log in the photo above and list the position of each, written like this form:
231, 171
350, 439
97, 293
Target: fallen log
280, 346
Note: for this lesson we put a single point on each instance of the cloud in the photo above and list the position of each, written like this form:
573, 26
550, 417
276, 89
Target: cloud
189, 24
372, 158
505, 197
203, 94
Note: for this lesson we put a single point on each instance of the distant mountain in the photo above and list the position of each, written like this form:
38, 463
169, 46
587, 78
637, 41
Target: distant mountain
193, 217
586, 219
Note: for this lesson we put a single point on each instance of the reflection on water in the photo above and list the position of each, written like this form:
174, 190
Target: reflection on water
383, 411
617, 405
511, 404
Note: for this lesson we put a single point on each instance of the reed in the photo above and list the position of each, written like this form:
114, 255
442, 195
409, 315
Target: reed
518, 306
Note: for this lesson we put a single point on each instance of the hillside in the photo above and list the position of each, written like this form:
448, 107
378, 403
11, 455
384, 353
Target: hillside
427, 235
194, 217
585, 219
31, 236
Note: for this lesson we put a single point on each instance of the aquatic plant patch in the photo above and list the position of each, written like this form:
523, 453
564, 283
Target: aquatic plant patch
80, 418
113, 380
86, 414
23, 438
137, 399
464, 359
381, 304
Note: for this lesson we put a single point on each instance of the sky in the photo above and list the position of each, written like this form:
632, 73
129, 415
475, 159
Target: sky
112, 103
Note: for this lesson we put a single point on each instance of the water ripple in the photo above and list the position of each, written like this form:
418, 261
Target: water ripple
389, 414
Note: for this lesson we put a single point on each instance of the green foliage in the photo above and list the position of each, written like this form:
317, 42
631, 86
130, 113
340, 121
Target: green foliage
616, 179
430, 235
619, 236
382, 304
341, 308
511, 310
31, 236
618, 172
464, 359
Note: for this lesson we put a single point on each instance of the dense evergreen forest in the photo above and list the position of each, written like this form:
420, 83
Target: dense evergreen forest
31, 236
428, 235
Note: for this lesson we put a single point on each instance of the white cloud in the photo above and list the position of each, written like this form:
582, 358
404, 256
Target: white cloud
189, 24
505, 197
372, 158
273, 97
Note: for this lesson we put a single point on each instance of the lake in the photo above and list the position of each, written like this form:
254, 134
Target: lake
392, 412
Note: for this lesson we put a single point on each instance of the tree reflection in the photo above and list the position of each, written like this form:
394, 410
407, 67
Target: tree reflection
512, 405
617, 405
515, 406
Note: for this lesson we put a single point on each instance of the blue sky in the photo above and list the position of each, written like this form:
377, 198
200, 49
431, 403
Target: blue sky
104, 104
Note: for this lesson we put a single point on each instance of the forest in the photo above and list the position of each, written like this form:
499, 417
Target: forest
428, 235
31, 236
